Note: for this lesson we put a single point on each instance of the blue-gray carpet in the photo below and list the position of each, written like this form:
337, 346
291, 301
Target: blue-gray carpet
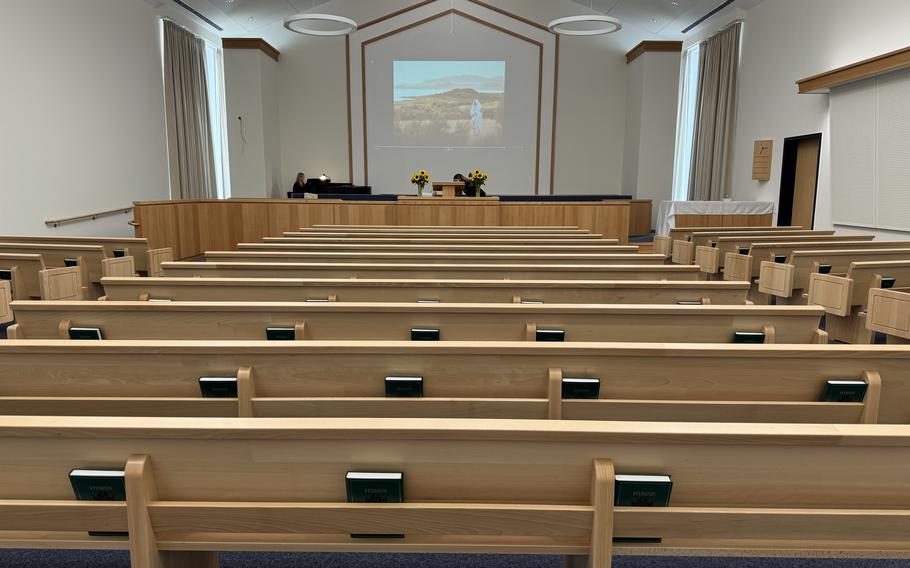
92, 559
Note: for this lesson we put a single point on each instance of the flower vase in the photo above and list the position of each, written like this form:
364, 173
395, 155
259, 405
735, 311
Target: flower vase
420, 191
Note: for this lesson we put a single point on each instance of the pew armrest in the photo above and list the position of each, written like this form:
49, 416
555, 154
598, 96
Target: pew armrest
708, 259
889, 312
776, 279
834, 293
737, 267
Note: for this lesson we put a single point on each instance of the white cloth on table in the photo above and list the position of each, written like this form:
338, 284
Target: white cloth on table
668, 210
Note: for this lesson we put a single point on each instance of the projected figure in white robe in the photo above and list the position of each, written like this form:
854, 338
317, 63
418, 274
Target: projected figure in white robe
476, 118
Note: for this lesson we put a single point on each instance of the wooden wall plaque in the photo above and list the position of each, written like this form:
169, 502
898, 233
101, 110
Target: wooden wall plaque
761, 160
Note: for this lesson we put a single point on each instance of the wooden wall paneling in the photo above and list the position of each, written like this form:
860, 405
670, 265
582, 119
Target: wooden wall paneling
363, 213
219, 225
640, 217
254, 222
612, 220
158, 224
187, 237
723, 220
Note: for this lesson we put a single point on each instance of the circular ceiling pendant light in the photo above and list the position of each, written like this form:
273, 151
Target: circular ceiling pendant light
301, 23
567, 26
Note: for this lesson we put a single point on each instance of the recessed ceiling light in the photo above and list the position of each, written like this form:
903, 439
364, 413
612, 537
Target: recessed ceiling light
653, 20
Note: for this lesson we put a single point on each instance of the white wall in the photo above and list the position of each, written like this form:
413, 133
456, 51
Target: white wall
591, 102
653, 87
254, 141
81, 113
785, 41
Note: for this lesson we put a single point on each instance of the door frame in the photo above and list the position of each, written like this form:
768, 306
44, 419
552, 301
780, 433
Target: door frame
788, 178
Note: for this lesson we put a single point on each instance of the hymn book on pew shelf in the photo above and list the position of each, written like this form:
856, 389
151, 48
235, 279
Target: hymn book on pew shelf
218, 387
424, 334
280, 334
375, 487
555, 335
70, 262
748, 337
689, 302
844, 391
580, 388
91, 333
99, 485
119, 253
887, 281
643, 490
404, 387
6, 274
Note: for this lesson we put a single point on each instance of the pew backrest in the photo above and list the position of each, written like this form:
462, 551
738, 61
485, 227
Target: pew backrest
415, 290
24, 270
447, 228
220, 269
455, 239
458, 236
843, 295
88, 257
114, 247
394, 321
639, 381
547, 247
713, 255
434, 257
481, 486
781, 251
685, 233
782, 279
684, 250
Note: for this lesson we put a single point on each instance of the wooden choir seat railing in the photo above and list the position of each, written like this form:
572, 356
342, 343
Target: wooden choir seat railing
553, 258
393, 321
712, 257
195, 486
219, 269
415, 290
516, 380
683, 251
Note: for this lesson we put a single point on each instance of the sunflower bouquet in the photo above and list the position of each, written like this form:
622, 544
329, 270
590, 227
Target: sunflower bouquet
420, 179
476, 179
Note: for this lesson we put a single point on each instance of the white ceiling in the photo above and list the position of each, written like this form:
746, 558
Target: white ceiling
663, 18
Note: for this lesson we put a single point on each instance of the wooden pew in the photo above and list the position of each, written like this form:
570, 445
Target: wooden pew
544, 247
664, 244
889, 313
787, 280
458, 236
24, 273
414, 290
88, 258
474, 379
684, 251
842, 295
532, 229
394, 321
114, 247
464, 239
748, 266
429, 271
552, 258
711, 257
481, 486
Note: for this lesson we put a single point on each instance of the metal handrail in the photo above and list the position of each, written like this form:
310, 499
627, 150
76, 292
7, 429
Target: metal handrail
88, 217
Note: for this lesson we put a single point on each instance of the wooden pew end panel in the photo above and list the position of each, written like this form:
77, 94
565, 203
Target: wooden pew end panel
737, 267
708, 259
664, 246
833, 293
776, 279
62, 283
889, 312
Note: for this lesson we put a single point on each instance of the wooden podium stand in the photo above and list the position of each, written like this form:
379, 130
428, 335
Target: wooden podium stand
448, 189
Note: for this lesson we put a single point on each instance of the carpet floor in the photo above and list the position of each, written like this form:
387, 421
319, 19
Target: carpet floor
93, 559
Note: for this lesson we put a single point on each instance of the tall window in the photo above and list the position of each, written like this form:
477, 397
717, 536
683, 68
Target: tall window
214, 72
685, 128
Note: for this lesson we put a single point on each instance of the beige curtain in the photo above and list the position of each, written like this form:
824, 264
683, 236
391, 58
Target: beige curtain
715, 115
189, 135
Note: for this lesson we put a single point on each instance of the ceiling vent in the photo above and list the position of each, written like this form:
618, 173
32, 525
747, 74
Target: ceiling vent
199, 15
708, 15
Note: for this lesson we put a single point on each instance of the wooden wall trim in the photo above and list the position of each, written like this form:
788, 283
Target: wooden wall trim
250, 43
865, 69
653, 45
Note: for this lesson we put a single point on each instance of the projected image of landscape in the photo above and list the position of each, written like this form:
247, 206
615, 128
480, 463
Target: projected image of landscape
449, 103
